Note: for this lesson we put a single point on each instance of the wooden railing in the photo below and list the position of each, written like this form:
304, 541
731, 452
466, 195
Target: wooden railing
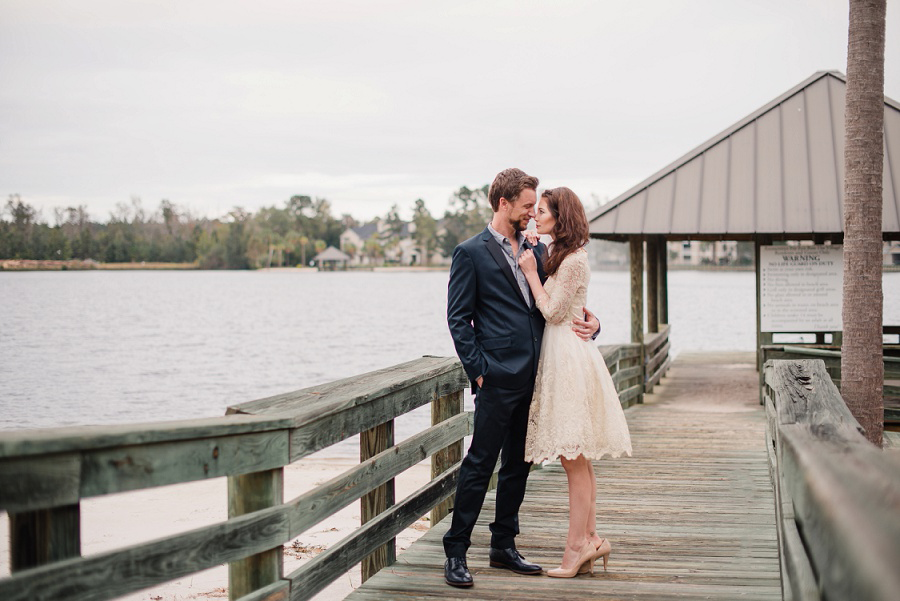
837, 497
657, 359
832, 361
45, 473
624, 363
636, 373
831, 339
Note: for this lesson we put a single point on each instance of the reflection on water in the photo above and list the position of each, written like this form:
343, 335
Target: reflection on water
111, 347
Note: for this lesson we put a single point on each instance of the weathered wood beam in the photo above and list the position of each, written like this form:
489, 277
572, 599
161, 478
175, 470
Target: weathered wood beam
837, 492
33, 483
652, 284
655, 340
115, 573
145, 466
610, 355
246, 494
618, 352
654, 379
323, 569
630, 394
372, 504
801, 581
758, 242
44, 536
312, 404
627, 373
444, 408
277, 591
314, 506
845, 501
334, 428
813, 398
637, 298
637, 289
658, 357
36, 482
47, 441
663, 278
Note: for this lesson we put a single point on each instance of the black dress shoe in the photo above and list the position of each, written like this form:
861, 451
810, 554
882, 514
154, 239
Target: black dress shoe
456, 572
511, 559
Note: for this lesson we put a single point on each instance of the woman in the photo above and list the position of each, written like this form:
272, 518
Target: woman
575, 412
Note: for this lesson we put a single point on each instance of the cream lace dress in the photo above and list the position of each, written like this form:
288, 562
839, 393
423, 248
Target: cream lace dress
575, 409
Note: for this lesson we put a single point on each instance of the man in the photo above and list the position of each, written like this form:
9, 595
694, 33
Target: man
497, 331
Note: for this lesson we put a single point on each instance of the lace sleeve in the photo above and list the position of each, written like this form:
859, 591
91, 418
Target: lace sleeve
568, 278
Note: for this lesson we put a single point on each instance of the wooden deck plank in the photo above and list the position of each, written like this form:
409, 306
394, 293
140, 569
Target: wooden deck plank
690, 516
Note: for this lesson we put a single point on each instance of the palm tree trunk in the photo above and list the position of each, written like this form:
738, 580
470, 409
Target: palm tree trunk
862, 366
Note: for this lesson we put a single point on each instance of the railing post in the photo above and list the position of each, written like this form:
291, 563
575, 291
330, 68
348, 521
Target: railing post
371, 442
248, 493
44, 536
444, 408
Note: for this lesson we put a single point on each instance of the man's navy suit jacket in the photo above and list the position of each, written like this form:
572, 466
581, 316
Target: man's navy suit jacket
496, 334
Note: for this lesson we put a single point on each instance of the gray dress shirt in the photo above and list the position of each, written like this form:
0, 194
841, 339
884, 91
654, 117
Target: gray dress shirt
513, 260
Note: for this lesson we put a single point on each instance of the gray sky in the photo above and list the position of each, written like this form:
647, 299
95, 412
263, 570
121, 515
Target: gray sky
225, 103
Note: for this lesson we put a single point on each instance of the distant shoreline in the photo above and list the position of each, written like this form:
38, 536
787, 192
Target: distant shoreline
87, 265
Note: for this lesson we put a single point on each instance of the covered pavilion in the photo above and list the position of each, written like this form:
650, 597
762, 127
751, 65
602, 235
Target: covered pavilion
775, 175
331, 259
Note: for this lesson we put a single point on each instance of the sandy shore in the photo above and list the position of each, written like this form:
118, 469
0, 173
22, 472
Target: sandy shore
79, 265
116, 521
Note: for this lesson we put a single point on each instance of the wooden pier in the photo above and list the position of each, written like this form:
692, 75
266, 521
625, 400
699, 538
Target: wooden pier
689, 516
724, 498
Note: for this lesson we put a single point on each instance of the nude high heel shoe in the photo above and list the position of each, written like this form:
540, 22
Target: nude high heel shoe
602, 551
587, 552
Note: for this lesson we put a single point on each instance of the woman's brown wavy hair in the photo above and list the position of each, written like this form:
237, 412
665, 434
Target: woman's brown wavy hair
571, 229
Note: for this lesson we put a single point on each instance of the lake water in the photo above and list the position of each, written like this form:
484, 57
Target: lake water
100, 347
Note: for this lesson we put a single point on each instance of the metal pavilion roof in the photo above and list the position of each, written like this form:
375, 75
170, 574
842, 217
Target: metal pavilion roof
778, 171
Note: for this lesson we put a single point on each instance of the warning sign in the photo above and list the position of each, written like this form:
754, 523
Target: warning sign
801, 288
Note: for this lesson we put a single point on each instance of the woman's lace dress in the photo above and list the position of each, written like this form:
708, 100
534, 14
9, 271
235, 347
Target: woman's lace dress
575, 409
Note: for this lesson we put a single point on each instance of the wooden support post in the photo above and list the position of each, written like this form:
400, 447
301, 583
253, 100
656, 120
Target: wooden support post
652, 284
759, 241
758, 269
371, 442
637, 299
444, 408
248, 493
44, 536
663, 275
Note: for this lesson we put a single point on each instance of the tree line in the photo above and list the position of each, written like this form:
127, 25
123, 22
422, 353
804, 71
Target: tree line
286, 236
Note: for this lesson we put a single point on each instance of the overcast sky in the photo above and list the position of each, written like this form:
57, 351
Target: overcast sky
216, 104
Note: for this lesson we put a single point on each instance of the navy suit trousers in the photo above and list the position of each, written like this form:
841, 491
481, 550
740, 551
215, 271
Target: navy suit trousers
501, 421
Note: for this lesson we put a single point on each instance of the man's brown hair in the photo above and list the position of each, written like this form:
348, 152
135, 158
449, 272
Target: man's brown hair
508, 184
